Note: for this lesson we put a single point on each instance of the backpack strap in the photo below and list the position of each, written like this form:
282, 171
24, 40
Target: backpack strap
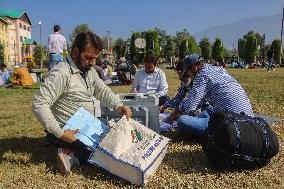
266, 136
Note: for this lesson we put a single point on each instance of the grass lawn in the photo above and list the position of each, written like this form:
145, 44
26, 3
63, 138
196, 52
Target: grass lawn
25, 163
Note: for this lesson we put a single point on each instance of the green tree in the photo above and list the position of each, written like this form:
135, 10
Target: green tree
254, 49
205, 48
183, 49
260, 45
251, 32
120, 48
179, 38
193, 46
228, 55
242, 48
276, 48
170, 48
136, 54
78, 29
152, 43
162, 38
187, 47
251, 49
218, 50
1, 53
39, 52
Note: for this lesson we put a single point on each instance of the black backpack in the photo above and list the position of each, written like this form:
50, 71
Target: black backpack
238, 141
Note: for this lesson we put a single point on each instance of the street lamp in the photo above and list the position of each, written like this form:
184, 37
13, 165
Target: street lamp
263, 49
40, 22
127, 52
41, 61
108, 34
281, 37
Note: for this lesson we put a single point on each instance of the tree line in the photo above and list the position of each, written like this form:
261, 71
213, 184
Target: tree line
250, 48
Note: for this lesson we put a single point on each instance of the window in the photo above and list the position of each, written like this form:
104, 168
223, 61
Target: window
20, 25
21, 38
25, 38
28, 28
24, 27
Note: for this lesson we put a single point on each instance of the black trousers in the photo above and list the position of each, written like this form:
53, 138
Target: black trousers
80, 150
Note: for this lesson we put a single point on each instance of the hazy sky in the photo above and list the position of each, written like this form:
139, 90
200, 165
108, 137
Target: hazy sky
121, 17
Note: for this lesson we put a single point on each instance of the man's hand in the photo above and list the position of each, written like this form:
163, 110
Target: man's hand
69, 135
174, 116
162, 109
125, 110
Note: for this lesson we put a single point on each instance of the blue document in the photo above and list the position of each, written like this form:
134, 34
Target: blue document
92, 130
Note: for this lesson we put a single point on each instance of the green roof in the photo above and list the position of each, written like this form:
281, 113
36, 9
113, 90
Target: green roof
29, 42
12, 14
4, 20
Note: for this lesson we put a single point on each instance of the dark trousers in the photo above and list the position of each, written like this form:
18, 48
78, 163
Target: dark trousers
80, 150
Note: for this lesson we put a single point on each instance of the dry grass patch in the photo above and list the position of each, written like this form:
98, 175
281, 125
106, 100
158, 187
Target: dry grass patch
25, 163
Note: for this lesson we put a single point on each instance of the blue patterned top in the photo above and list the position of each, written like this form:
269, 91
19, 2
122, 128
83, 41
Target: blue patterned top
214, 85
175, 101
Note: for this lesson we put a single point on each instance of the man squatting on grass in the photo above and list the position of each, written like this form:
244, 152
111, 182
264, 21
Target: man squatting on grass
209, 85
67, 87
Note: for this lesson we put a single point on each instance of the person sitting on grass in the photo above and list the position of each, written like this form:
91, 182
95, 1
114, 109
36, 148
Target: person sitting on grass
100, 71
4, 74
151, 80
67, 87
22, 77
2, 84
213, 85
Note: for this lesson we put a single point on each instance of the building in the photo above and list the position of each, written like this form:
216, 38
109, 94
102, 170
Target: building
18, 31
29, 45
4, 39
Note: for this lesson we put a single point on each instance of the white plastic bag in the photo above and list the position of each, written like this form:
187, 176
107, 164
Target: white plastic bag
130, 151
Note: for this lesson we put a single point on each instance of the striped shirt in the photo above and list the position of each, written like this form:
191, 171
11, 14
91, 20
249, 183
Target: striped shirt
65, 90
214, 85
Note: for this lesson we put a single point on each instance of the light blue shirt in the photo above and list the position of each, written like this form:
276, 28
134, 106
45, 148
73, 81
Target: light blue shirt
151, 83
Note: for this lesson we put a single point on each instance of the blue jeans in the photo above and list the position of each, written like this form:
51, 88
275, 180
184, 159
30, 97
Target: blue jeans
54, 59
270, 65
195, 125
